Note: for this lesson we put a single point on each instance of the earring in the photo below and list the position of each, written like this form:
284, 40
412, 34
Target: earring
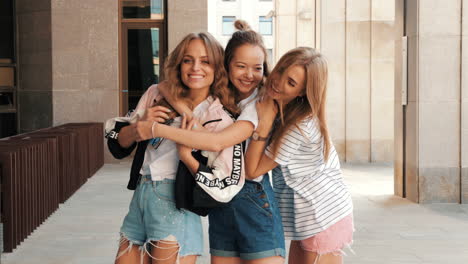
300, 99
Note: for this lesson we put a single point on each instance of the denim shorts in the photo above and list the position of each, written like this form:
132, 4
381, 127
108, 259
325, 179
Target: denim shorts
249, 226
153, 216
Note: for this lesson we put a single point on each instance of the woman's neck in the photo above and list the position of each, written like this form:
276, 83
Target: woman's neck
243, 96
198, 95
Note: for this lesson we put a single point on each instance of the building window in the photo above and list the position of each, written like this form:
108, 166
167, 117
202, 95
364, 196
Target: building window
265, 25
143, 42
270, 56
228, 25
153, 9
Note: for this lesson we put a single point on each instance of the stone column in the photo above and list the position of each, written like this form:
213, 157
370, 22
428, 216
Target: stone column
398, 160
297, 23
358, 77
34, 64
464, 104
382, 78
433, 116
333, 45
357, 37
85, 61
285, 27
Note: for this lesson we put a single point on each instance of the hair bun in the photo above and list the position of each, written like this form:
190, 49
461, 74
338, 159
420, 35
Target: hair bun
242, 25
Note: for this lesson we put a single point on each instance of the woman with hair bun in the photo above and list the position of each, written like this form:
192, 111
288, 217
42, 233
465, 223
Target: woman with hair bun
248, 229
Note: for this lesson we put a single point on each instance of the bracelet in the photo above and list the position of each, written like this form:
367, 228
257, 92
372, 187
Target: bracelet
152, 128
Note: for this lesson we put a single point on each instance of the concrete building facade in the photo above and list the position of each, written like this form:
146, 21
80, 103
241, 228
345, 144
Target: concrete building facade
255, 12
357, 38
68, 71
431, 131
83, 73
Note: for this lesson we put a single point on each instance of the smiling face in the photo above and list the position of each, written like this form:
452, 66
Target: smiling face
289, 85
195, 69
246, 69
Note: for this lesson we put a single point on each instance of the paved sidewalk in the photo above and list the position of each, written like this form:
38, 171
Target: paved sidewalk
388, 229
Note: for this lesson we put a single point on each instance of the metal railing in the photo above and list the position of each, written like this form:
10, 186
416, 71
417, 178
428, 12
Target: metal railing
41, 169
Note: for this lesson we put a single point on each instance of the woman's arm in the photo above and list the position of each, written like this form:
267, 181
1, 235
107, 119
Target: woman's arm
256, 162
222, 169
210, 141
203, 140
127, 136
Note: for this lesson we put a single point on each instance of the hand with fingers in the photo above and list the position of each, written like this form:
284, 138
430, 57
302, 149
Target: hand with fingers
267, 109
157, 113
193, 124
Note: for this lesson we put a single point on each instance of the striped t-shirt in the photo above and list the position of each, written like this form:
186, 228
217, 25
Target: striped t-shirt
311, 194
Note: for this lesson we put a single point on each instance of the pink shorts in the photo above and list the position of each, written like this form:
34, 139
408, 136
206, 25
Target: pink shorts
332, 239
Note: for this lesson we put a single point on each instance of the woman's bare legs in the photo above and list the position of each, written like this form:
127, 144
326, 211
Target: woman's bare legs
236, 260
167, 252
225, 260
269, 260
297, 255
130, 255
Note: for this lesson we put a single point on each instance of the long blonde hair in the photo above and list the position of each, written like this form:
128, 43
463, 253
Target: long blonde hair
313, 103
215, 54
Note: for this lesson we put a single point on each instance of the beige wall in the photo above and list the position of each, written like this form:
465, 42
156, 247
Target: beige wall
185, 17
85, 61
357, 36
435, 115
382, 80
464, 105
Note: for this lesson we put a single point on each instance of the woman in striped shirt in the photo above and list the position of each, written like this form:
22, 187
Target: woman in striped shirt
314, 201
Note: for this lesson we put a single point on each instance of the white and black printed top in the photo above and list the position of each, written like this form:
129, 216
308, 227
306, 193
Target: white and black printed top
311, 194
248, 108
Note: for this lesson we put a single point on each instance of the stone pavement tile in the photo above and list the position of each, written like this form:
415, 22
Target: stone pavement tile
381, 254
389, 229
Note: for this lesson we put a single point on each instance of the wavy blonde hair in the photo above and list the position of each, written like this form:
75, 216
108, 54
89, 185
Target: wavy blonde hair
313, 103
219, 87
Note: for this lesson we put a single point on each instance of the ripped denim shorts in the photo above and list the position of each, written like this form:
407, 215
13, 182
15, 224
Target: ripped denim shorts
153, 216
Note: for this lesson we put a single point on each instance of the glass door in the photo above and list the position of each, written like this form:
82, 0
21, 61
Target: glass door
142, 49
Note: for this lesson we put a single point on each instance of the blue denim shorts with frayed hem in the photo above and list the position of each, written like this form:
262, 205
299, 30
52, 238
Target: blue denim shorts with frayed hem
250, 226
153, 216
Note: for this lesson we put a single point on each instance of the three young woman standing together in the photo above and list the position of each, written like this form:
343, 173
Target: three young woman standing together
281, 117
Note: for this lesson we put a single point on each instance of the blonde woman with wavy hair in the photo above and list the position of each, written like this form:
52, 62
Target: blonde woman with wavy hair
219, 87
154, 230
314, 201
